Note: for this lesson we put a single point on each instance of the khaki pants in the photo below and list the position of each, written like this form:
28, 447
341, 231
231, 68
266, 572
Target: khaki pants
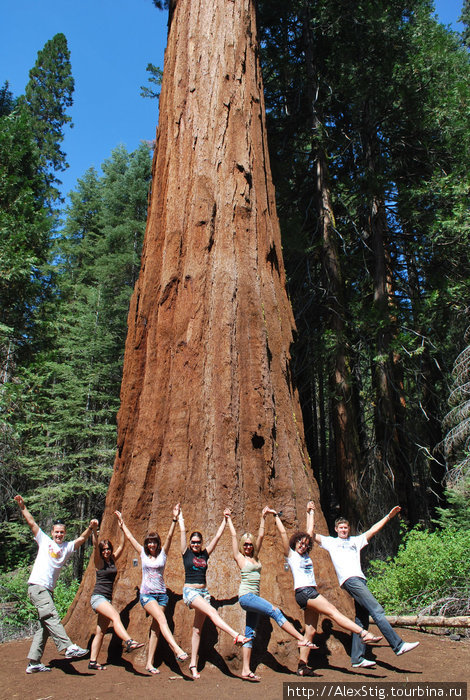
50, 623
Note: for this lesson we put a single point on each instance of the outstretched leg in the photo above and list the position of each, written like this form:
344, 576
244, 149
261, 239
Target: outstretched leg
158, 614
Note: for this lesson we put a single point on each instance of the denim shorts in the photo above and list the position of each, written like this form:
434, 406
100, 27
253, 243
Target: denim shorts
189, 594
95, 600
303, 595
160, 598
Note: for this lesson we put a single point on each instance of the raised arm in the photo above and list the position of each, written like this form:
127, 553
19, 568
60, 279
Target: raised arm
27, 515
81, 539
97, 559
311, 522
119, 549
283, 533
380, 524
184, 546
213, 543
127, 533
260, 538
239, 558
171, 531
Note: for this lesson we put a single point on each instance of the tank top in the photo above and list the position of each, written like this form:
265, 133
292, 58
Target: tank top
105, 580
251, 576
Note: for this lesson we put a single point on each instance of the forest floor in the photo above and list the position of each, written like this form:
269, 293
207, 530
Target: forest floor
438, 659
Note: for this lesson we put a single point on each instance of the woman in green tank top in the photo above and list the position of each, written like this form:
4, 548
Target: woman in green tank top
246, 554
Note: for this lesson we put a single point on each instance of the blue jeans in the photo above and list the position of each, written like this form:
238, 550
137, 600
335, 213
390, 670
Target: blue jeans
256, 606
367, 605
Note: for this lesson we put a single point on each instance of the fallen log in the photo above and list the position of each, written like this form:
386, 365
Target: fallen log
428, 621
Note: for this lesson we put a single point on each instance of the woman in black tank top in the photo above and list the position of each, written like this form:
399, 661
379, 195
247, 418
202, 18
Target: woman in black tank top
195, 593
105, 562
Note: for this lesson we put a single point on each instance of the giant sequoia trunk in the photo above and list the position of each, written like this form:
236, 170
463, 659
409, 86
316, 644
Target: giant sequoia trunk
209, 415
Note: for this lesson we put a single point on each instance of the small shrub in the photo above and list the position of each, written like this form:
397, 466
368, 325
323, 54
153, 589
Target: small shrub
17, 614
429, 567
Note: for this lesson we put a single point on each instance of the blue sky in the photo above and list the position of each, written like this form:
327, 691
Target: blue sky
111, 42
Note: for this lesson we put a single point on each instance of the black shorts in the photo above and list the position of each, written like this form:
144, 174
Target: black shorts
303, 595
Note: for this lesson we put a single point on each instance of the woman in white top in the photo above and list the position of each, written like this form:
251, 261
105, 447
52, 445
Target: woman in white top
297, 550
246, 555
153, 596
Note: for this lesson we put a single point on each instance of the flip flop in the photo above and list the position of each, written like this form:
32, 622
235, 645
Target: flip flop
182, 657
95, 666
152, 670
194, 672
251, 677
369, 638
308, 644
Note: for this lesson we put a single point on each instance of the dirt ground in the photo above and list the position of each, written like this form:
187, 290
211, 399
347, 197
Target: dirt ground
438, 659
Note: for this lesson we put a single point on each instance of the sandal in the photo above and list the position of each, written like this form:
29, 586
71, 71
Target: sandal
240, 639
251, 677
304, 670
95, 666
132, 645
181, 657
194, 672
306, 643
152, 670
369, 638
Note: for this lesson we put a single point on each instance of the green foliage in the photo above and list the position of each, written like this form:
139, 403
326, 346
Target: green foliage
155, 76
62, 406
17, 613
456, 514
430, 573
47, 96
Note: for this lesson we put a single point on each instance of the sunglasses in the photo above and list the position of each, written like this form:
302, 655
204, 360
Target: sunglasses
248, 544
195, 542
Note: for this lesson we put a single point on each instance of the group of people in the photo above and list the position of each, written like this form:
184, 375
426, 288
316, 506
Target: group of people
54, 552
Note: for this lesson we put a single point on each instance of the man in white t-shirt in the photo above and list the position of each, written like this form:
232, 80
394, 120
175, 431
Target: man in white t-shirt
345, 552
53, 553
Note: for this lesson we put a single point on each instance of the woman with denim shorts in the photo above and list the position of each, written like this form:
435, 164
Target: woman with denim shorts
296, 551
246, 555
105, 559
153, 596
195, 593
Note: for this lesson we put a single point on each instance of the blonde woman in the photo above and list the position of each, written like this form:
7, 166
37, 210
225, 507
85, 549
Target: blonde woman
246, 554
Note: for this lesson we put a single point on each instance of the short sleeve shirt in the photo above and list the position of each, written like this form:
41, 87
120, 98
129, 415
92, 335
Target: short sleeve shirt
152, 573
301, 566
195, 566
51, 557
345, 555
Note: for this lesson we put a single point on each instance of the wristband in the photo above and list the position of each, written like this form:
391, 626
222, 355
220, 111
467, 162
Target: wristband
175, 520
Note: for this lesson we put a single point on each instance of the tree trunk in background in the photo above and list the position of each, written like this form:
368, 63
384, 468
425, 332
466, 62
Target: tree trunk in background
344, 419
392, 453
209, 415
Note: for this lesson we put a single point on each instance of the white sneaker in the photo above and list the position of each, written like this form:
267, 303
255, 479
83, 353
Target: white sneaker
75, 652
36, 668
407, 646
365, 663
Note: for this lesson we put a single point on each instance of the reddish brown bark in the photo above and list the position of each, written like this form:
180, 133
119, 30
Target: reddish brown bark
209, 415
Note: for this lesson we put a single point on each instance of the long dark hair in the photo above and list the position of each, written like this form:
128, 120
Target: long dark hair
152, 536
105, 543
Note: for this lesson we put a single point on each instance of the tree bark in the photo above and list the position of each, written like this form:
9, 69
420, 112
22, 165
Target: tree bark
209, 415
344, 419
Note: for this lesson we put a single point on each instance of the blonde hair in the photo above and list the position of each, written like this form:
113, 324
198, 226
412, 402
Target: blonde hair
248, 537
